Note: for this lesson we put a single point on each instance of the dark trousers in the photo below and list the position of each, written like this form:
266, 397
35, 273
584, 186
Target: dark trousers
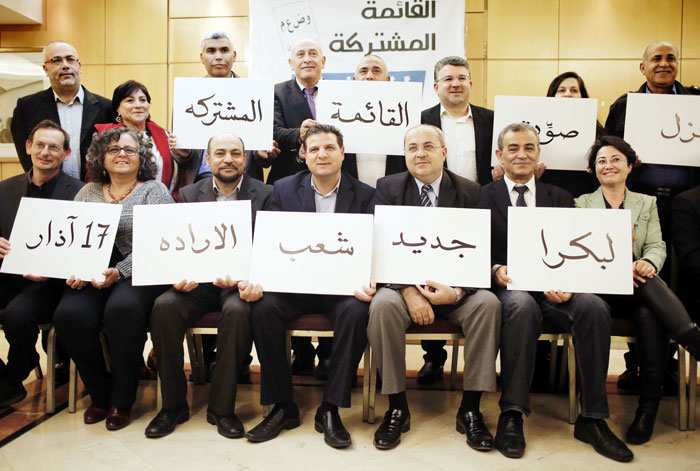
657, 313
586, 316
31, 304
173, 312
121, 312
269, 318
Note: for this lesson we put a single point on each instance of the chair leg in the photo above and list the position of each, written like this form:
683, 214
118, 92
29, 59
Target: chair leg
554, 349
692, 392
105, 352
159, 394
198, 373
288, 346
682, 391
455, 358
365, 384
573, 404
51, 372
72, 387
372, 389
563, 367
37, 371
191, 351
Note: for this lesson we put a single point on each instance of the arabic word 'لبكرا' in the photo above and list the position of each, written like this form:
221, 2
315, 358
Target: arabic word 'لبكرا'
576, 242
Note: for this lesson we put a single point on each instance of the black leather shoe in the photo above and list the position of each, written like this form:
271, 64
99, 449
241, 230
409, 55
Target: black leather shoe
303, 364
629, 380
388, 435
429, 373
273, 424
323, 368
166, 420
11, 392
228, 426
94, 414
118, 418
334, 432
510, 440
478, 435
597, 433
641, 427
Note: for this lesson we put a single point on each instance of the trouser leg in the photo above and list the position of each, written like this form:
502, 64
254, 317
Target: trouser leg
665, 305
652, 349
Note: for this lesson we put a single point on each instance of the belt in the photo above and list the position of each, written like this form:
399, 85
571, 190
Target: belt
662, 191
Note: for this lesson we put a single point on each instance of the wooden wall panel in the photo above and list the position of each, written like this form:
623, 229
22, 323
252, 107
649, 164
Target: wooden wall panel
522, 29
690, 46
690, 72
80, 22
154, 76
527, 78
185, 36
10, 169
617, 29
478, 94
474, 43
93, 78
136, 31
475, 5
205, 8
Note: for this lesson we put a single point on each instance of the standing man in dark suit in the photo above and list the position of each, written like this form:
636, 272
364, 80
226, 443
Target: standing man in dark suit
586, 316
468, 134
395, 307
322, 189
30, 300
67, 103
368, 168
686, 240
187, 301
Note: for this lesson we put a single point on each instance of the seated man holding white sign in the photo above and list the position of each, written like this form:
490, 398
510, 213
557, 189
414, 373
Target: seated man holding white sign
187, 301
655, 310
322, 189
395, 307
30, 300
585, 315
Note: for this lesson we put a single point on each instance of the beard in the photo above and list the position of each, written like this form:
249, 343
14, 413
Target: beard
228, 177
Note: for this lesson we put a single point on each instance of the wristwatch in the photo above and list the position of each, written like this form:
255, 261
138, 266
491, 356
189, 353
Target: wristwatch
459, 294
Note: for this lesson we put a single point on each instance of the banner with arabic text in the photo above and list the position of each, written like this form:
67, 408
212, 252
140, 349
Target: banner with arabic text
313, 253
60, 239
566, 127
570, 249
203, 108
661, 128
191, 241
411, 36
373, 116
413, 244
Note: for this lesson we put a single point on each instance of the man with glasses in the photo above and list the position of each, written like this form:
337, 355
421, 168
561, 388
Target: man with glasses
30, 300
468, 133
65, 102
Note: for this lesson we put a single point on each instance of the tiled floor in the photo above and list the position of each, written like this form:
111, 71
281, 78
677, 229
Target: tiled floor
64, 442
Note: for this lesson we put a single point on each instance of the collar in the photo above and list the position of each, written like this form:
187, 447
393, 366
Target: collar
673, 89
80, 96
50, 182
218, 192
334, 190
302, 87
510, 184
435, 184
469, 115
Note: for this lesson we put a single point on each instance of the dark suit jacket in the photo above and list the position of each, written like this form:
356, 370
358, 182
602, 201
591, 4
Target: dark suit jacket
291, 109
494, 196
13, 189
203, 191
686, 239
394, 164
401, 190
294, 193
32, 109
483, 135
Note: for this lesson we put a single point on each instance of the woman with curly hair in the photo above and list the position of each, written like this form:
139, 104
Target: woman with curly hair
122, 170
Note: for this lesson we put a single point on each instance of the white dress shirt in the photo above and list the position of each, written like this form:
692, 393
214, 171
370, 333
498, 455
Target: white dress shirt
528, 195
325, 203
460, 141
221, 196
432, 195
70, 116
370, 168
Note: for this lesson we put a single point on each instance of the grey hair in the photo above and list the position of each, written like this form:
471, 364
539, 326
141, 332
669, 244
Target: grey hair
57, 41
215, 34
441, 135
451, 60
517, 127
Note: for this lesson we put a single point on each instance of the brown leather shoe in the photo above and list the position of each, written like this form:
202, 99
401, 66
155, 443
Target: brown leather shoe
118, 418
94, 414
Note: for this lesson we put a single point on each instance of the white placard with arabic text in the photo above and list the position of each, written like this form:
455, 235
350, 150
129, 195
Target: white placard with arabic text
373, 116
413, 244
60, 239
664, 129
191, 241
570, 249
314, 253
566, 127
203, 108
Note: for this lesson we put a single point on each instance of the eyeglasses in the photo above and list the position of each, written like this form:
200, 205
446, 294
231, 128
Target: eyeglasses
40, 146
58, 60
116, 150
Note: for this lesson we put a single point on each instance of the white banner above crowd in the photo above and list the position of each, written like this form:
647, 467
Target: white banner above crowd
373, 116
570, 249
566, 127
660, 128
203, 108
411, 36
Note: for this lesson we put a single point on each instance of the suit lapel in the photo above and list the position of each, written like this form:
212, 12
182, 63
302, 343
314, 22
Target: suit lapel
501, 197
206, 191
306, 195
633, 203
90, 111
47, 103
411, 194
543, 197
448, 193
298, 100
345, 196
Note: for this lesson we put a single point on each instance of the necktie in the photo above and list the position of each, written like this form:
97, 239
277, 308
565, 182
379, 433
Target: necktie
521, 195
424, 198
309, 94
